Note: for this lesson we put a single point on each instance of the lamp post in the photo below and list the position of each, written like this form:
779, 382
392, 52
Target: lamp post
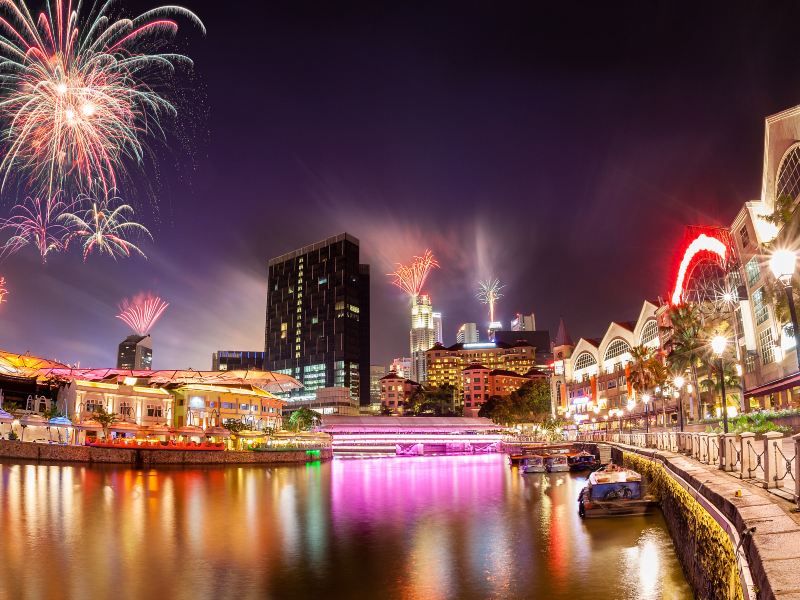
646, 400
631, 406
718, 345
782, 264
679, 381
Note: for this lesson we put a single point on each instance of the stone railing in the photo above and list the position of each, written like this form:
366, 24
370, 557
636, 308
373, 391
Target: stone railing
770, 460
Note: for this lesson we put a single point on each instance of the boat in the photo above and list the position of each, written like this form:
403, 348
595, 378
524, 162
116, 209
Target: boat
583, 461
556, 463
613, 491
533, 464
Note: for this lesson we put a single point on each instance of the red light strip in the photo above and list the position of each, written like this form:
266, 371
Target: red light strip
702, 243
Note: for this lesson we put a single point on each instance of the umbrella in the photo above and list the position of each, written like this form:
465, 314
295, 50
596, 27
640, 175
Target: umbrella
5, 417
59, 422
163, 429
190, 431
33, 420
216, 431
89, 425
124, 427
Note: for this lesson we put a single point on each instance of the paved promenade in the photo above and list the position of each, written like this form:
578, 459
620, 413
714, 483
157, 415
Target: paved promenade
773, 550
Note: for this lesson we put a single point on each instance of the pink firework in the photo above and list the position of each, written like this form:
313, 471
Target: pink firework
3, 290
142, 311
410, 278
36, 222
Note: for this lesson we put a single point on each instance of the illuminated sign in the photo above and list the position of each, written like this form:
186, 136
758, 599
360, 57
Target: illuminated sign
477, 345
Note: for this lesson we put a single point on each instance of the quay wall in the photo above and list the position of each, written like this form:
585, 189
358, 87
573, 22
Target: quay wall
137, 457
703, 547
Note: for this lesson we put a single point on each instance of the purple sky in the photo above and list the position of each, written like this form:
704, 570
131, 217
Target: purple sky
560, 149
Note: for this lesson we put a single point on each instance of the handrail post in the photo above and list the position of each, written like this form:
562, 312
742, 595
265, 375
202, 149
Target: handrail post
713, 449
727, 451
745, 446
771, 440
796, 439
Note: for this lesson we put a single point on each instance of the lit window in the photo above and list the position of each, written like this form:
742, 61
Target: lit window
752, 271
766, 344
759, 306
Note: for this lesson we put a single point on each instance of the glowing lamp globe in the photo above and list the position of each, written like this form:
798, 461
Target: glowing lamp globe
782, 265
718, 344
679, 381
646, 398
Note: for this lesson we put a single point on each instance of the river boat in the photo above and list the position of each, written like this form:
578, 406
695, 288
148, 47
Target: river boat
556, 463
613, 492
583, 461
533, 464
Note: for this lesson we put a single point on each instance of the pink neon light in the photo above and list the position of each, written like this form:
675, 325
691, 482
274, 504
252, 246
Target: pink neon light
702, 243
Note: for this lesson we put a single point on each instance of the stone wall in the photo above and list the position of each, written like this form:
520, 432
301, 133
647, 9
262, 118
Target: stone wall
142, 457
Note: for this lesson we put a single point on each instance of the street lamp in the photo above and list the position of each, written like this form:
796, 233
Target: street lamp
782, 264
718, 345
679, 381
646, 400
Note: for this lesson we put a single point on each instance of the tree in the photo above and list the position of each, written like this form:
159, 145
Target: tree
531, 402
105, 418
687, 344
641, 373
786, 218
413, 404
303, 419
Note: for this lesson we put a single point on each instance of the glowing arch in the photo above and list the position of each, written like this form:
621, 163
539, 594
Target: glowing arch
702, 243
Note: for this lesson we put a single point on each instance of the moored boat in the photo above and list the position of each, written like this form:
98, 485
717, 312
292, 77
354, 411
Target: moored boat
583, 461
533, 464
556, 463
613, 492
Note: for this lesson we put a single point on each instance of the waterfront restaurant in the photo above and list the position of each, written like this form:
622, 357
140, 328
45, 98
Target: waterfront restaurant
205, 405
140, 405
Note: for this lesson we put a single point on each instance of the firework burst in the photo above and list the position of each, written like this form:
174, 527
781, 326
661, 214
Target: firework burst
82, 91
36, 222
3, 290
489, 293
103, 229
410, 278
141, 312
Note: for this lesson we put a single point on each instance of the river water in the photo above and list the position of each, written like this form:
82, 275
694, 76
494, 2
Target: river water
383, 528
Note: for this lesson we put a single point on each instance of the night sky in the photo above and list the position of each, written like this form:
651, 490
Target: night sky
559, 148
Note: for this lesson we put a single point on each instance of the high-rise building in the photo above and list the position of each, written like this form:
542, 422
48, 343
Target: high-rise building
318, 314
437, 327
135, 352
423, 335
468, 334
237, 360
402, 367
375, 374
522, 322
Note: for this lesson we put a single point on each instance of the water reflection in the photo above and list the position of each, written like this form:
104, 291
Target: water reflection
427, 527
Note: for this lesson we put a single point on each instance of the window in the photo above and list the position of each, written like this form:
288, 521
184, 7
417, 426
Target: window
766, 344
155, 410
125, 409
744, 235
584, 360
243, 406
616, 348
649, 332
228, 405
612, 384
752, 271
750, 362
760, 307
788, 180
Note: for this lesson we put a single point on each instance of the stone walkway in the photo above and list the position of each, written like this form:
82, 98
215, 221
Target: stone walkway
773, 551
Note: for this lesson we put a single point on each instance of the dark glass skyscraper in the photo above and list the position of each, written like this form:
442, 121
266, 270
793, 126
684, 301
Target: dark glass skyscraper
318, 317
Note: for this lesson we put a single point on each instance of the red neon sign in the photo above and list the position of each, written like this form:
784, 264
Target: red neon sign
702, 243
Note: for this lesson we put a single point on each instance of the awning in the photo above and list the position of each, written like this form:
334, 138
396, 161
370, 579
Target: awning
33, 420
215, 431
124, 427
190, 430
59, 422
89, 425
778, 385
158, 430
5, 417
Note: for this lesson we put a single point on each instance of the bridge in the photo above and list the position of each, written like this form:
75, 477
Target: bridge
412, 435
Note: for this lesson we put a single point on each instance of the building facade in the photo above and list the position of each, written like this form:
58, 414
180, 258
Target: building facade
206, 405
318, 315
326, 401
141, 405
422, 335
395, 390
238, 360
522, 322
375, 374
481, 383
401, 366
446, 364
437, 327
135, 352
468, 334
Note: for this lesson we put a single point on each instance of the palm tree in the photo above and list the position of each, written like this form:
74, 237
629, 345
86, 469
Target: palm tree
688, 346
642, 374
711, 384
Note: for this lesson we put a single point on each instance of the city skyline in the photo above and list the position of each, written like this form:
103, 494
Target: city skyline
212, 270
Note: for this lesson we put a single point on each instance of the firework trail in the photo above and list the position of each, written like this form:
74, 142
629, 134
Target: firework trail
410, 278
36, 222
489, 293
79, 92
104, 230
3, 290
142, 311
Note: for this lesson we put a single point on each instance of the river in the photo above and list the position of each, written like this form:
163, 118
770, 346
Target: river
385, 528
